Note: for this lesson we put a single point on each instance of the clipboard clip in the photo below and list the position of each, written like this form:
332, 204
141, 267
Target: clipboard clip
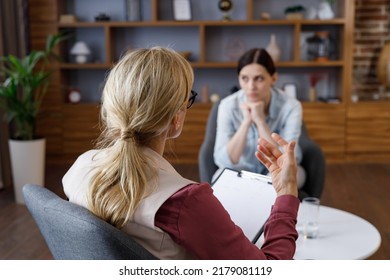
254, 176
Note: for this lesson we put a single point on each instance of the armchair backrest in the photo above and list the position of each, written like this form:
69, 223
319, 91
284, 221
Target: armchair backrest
72, 232
206, 164
313, 162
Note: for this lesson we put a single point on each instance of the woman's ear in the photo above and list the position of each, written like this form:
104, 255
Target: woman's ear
175, 126
274, 78
175, 121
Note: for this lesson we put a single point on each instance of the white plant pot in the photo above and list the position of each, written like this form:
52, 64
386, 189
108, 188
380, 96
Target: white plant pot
28, 164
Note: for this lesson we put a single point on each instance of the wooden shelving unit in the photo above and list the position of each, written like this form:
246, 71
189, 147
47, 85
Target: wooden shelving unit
76, 124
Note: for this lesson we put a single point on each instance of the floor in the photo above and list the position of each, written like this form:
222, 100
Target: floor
362, 189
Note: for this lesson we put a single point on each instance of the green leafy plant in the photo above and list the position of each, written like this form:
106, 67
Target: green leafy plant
294, 9
25, 84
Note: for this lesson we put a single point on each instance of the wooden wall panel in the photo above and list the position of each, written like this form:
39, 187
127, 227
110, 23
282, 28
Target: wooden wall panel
81, 128
39, 32
43, 19
185, 148
326, 126
43, 10
80, 123
368, 132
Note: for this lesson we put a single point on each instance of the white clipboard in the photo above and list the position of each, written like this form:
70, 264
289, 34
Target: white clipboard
247, 197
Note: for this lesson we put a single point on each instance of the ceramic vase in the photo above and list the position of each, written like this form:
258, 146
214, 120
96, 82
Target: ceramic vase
312, 94
325, 11
273, 48
133, 10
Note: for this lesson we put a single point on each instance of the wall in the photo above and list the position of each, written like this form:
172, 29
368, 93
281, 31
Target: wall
372, 20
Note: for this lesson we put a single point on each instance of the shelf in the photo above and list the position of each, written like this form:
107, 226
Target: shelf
284, 64
347, 131
85, 66
114, 24
322, 105
330, 63
209, 41
82, 106
213, 64
208, 38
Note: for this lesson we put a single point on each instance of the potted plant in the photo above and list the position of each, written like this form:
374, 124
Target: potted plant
295, 12
25, 84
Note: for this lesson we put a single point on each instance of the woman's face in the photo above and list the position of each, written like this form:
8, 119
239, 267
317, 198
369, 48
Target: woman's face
256, 82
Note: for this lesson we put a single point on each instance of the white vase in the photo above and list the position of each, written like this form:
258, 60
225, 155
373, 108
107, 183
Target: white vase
273, 48
28, 164
325, 11
133, 10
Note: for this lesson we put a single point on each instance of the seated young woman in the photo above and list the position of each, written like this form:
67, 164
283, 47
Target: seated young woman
256, 110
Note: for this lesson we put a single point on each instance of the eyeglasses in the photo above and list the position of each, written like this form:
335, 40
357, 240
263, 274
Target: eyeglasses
192, 99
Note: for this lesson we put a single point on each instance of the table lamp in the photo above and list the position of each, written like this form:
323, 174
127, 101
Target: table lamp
81, 52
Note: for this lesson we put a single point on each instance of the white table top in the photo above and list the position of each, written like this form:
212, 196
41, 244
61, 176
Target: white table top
342, 236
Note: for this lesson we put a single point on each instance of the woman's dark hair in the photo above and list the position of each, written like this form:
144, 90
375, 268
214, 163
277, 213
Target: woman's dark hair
259, 56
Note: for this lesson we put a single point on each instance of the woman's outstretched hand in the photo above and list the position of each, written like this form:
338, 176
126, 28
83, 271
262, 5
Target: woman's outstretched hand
282, 166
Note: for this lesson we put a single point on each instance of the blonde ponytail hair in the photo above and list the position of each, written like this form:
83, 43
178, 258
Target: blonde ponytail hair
142, 94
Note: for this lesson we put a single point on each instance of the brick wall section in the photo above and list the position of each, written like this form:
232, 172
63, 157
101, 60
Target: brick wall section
372, 20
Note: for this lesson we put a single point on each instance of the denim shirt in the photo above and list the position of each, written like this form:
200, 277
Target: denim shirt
284, 118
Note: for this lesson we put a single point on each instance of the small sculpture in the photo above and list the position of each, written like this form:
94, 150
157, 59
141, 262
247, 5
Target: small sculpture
325, 11
225, 6
265, 16
234, 48
102, 17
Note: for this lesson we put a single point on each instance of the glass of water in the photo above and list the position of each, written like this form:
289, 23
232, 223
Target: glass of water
310, 209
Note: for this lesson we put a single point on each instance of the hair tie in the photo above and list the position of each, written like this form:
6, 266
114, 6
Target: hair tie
127, 136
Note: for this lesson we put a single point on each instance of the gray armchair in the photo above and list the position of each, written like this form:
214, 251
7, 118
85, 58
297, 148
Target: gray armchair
72, 232
313, 160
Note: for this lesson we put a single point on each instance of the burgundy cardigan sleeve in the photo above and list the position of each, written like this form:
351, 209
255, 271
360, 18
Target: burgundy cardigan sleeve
195, 219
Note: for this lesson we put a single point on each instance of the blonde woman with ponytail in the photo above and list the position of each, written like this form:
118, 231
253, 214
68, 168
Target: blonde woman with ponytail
127, 182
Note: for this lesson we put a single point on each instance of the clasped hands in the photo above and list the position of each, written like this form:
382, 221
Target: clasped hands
253, 112
281, 165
